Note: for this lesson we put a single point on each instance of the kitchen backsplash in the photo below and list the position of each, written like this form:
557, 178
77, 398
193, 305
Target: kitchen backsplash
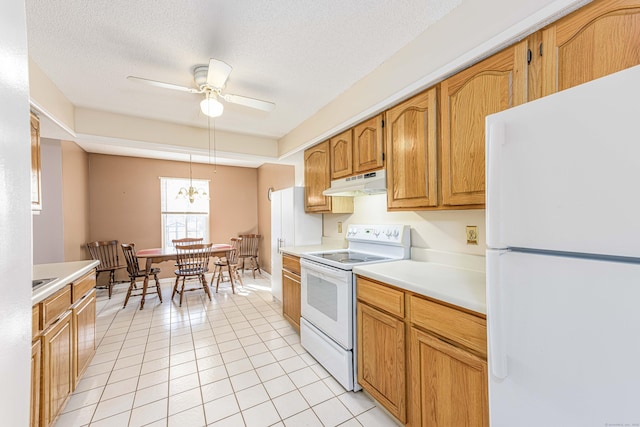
440, 230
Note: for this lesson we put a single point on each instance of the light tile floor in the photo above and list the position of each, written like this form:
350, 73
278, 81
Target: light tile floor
233, 361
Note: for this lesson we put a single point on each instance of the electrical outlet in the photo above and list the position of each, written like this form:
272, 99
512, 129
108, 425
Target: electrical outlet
340, 227
472, 235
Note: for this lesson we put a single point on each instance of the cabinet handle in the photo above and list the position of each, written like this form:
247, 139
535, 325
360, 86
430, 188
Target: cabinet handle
495, 306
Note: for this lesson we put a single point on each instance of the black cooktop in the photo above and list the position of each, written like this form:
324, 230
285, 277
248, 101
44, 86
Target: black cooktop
349, 257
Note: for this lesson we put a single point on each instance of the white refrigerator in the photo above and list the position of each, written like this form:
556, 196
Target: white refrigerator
563, 258
290, 226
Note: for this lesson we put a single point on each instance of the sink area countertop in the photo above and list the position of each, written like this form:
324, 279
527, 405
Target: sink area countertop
64, 272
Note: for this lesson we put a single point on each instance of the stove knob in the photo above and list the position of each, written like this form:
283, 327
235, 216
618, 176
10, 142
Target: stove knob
387, 233
396, 233
376, 232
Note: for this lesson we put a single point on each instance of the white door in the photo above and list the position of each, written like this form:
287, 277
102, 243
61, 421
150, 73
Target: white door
564, 347
287, 217
563, 171
276, 233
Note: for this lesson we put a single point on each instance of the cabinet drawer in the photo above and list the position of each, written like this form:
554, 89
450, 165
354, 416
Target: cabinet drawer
381, 296
463, 328
35, 321
82, 286
55, 305
291, 263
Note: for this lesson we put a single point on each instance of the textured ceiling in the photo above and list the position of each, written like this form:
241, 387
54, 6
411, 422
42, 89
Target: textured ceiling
300, 54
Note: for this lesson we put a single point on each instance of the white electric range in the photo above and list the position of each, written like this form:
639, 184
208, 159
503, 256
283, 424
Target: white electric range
327, 325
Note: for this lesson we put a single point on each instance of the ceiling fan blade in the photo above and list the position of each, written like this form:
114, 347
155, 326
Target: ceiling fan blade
163, 84
249, 102
218, 73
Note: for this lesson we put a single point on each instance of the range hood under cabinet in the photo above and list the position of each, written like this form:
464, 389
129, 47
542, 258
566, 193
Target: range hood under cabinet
359, 185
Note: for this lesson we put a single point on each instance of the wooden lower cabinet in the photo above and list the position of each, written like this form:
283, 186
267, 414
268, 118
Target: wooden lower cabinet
423, 360
291, 289
36, 371
448, 384
84, 332
291, 298
57, 367
381, 358
64, 343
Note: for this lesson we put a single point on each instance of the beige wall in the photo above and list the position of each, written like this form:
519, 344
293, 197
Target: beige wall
124, 195
277, 177
441, 230
75, 201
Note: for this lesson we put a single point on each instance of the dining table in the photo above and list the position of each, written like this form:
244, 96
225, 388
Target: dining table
158, 255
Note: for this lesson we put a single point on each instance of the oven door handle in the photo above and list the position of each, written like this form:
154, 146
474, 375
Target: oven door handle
324, 270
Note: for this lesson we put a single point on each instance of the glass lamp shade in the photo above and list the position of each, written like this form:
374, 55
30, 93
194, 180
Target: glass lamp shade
211, 106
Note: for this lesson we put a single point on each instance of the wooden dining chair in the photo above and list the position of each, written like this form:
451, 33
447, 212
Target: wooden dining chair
249, 252
133, 268
187, 240
107, 253
231, 262
192, 261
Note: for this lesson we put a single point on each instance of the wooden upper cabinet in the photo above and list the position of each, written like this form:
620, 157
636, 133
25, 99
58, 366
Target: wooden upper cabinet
368, 145
342, 155
317, 178
493, 85
36, 190
596, 40
411, 142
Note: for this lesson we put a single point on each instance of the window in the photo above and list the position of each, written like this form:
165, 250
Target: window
179, 217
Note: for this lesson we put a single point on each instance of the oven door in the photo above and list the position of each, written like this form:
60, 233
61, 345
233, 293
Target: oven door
327, 300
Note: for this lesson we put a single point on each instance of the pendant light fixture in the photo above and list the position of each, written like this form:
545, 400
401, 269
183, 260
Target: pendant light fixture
210, 105
192, 193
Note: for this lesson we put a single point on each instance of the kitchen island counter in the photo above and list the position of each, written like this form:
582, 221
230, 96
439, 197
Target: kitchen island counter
64, 272
461, 287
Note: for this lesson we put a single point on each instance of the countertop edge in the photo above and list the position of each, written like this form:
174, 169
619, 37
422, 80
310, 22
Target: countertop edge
66, 272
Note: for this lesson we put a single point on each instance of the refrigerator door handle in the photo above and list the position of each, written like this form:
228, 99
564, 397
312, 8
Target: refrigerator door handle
495, 139
280, 243
495, 319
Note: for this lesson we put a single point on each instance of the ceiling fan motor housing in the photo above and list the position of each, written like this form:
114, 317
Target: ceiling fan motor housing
200, 75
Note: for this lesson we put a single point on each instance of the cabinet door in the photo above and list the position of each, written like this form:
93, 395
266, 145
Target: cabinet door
411, 153
598, 39
84, 326
57, 367
36, 190
36, 364
488, 87
291, 298
381, 358
448, 384
341, 155
368, 145
316, 178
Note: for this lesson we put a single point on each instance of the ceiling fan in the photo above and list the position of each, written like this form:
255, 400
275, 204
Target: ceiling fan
211, 80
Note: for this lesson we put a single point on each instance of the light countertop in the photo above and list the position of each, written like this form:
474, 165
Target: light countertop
457, 279
65, 272
458, 286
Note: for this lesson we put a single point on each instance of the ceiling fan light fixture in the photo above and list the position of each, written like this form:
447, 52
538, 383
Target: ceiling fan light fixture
211, 106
